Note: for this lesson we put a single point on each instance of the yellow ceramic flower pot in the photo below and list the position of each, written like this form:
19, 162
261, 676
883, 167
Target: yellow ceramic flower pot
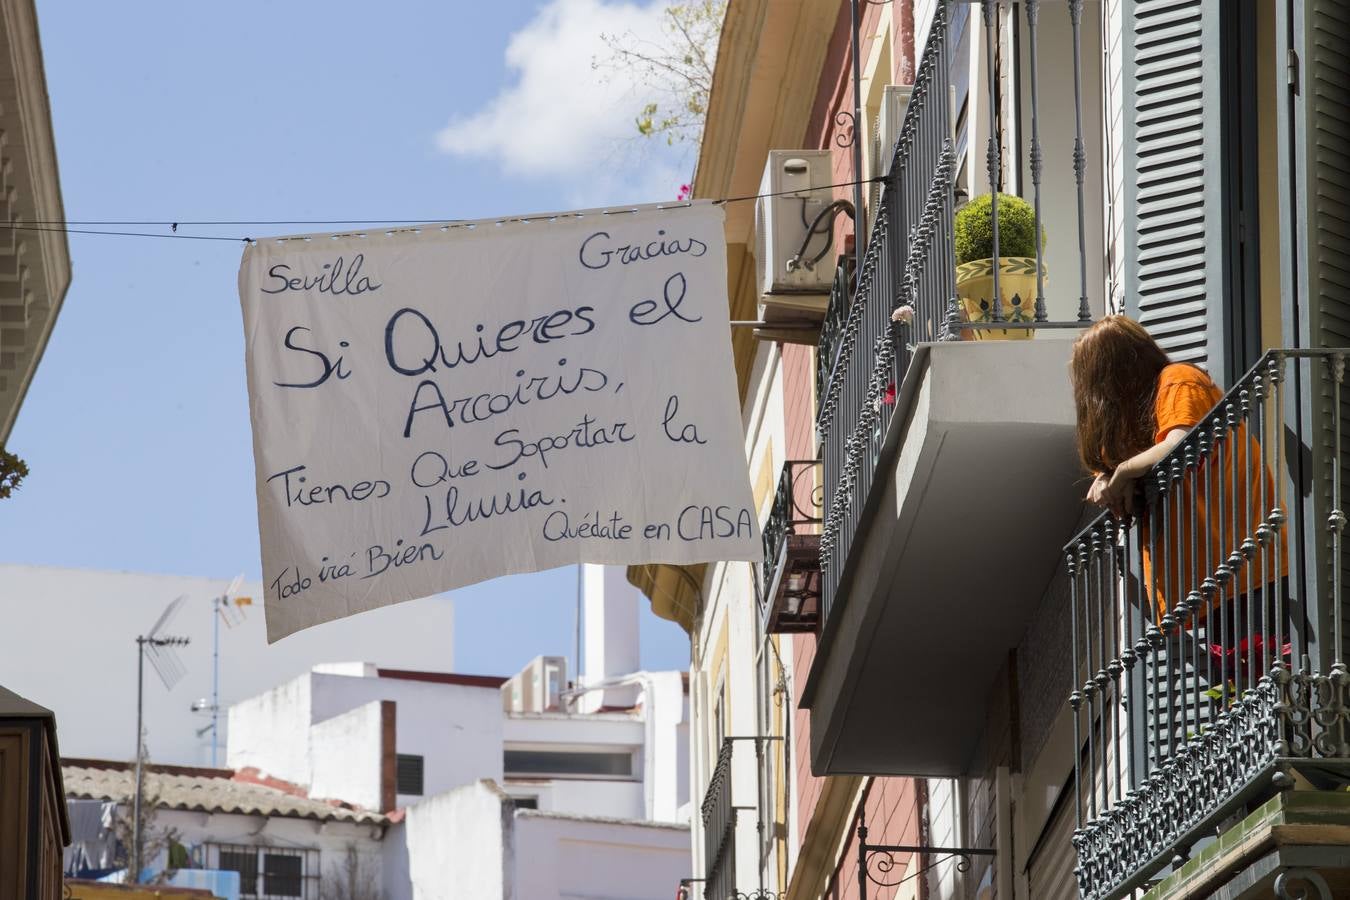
1016, 287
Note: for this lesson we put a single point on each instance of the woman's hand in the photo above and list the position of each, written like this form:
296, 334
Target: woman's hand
1094, 494
1114, 491
1118, 495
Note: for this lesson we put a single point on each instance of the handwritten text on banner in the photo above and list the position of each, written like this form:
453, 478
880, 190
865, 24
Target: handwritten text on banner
438, 408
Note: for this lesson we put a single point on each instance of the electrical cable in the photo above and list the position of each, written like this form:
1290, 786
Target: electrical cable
65, 226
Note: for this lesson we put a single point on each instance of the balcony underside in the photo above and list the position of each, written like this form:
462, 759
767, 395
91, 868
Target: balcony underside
977, 484
1292, 834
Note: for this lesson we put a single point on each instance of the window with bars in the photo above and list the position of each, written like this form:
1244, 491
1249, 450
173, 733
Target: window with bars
268, 872
408, 777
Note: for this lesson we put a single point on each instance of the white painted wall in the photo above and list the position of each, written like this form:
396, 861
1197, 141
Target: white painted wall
657, 734
457, 729
270, 732
609, 799
559, 858
331, 839
347, 752
619, 729
90, 684
455, 844
469, 842
609, 633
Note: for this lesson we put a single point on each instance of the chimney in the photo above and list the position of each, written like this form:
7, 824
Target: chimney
610, 633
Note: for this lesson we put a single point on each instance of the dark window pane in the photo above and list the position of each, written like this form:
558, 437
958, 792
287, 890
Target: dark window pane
563, 762
282, 875
245, 862
526, 802
409, 777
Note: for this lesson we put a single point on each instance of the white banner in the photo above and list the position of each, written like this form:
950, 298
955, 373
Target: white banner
438, 407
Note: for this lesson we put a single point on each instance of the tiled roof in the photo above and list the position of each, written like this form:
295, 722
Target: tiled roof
207, 793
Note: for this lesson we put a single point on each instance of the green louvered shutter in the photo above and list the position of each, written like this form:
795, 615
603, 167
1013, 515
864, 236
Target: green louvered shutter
1321, 116
1173, 248
1326, 155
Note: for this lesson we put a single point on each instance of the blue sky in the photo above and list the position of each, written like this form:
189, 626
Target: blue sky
136, 426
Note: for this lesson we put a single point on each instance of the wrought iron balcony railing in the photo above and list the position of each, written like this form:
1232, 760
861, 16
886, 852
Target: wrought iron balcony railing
721, 811
832, 328
792, 550
1207, 628
904, 292
719, 828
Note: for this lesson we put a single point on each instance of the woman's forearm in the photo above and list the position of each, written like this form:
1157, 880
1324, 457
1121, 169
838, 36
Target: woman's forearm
1139, 464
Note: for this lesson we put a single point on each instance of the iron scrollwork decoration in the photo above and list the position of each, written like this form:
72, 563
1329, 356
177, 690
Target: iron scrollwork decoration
876, 862
844, 119
886, 863
1317, 886
759, 894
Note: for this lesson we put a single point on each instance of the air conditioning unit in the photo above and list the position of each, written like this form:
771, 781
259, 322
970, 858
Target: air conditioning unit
890, 121
894, 102
785, 259
538, 687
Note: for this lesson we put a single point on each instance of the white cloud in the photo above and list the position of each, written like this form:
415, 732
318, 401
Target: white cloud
559, 116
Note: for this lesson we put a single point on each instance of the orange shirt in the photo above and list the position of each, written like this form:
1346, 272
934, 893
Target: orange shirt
1224, 499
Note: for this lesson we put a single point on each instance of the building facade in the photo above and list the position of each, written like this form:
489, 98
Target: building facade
357, 781
34, 260
951, 678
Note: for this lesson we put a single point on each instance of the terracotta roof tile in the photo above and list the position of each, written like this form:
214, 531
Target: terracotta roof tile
205, 793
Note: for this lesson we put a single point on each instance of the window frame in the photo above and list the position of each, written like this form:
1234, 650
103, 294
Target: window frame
563, 774
400, 773
258, 887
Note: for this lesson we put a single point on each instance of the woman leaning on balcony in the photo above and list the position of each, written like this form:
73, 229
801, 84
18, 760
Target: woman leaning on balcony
1134, 407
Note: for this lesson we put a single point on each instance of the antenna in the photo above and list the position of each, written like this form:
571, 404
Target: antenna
165, 616
229, 608
162, 650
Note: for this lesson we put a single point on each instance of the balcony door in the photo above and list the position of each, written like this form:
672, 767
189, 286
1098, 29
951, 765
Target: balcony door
1242, 102
1314, 170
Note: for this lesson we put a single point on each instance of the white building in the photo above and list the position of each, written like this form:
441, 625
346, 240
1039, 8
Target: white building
475, 842
94, 618
281, 843
616, 746
446, 785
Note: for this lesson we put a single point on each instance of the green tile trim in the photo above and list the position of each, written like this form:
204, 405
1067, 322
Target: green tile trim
1288, 808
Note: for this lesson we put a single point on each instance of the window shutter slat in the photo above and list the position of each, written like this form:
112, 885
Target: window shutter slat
1172, 250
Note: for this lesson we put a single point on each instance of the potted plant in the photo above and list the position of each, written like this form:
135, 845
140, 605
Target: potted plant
974, 234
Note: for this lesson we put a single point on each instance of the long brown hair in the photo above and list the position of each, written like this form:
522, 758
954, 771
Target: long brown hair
1115, 368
